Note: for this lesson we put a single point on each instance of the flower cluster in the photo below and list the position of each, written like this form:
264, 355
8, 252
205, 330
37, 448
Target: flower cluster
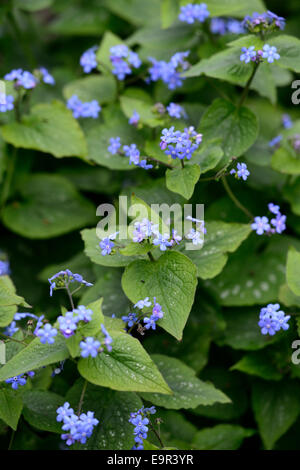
88, 59
68, 323
79, 428
131, 151
122, 59
140, 420
19, 380
271, 319
6, 103
12, 328
179, 144
46, 334
145, 230
149, 321
191, 13
62, 279
268, 52
263, 22
196, 234
4, 268
241, 171
169, 72
226, 25
83, 110
91, 346
263, 225
28, 80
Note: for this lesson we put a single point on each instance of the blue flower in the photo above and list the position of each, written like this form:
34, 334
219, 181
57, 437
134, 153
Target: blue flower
235, 27
4, 268
83, 110
47, 334
88, 59
261, 225
11, 329
218, 26
106, 246
175, 110
140, 421
89, 347
27, 80
162, 241
79, 428
133, 153
286, 121
241, 172
169, 72
67, 324
143, 303
62, 279
270, 53
279, 21
271, 319
122, 58
274, 142
6, 103
134, 118
279, 223
185, 143
274, 208
190, 13
46, 77
248, 54
108, 339
83, 313
115, 145
17, 381
130, 319
196, 236
13, 75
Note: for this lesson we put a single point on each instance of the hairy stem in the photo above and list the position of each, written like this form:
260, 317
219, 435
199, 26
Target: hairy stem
82, 397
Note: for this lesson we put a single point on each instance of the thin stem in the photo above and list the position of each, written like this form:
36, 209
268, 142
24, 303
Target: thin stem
246, 89
182, 164
11, 439
70, 297
151, 257
159, 162
156, 434
82, 397
13, 339
234, 199
9, 176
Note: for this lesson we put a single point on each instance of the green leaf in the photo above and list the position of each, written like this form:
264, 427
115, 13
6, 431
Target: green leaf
208, 157
11, 406
238, 8
103, 53
51, 204
134, 11
257, 283
287, 297
187, 390
221, 437
169, 12
172, 280
135, 99
183, 180
242, 331
95, 87
292, 194
80, 20
260, 364
98, 136
276, 407
8, 301
224, 65
293, 270
93, 251
112, 409
285, 161
35, 355
40, 409
49, 128
220, 239
126, 368
32, 5
288, 48
236, 127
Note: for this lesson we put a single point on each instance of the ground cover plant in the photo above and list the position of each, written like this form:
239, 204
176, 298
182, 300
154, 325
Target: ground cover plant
122, 328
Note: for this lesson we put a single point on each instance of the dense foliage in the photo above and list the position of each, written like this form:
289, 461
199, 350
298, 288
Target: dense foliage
144, 343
